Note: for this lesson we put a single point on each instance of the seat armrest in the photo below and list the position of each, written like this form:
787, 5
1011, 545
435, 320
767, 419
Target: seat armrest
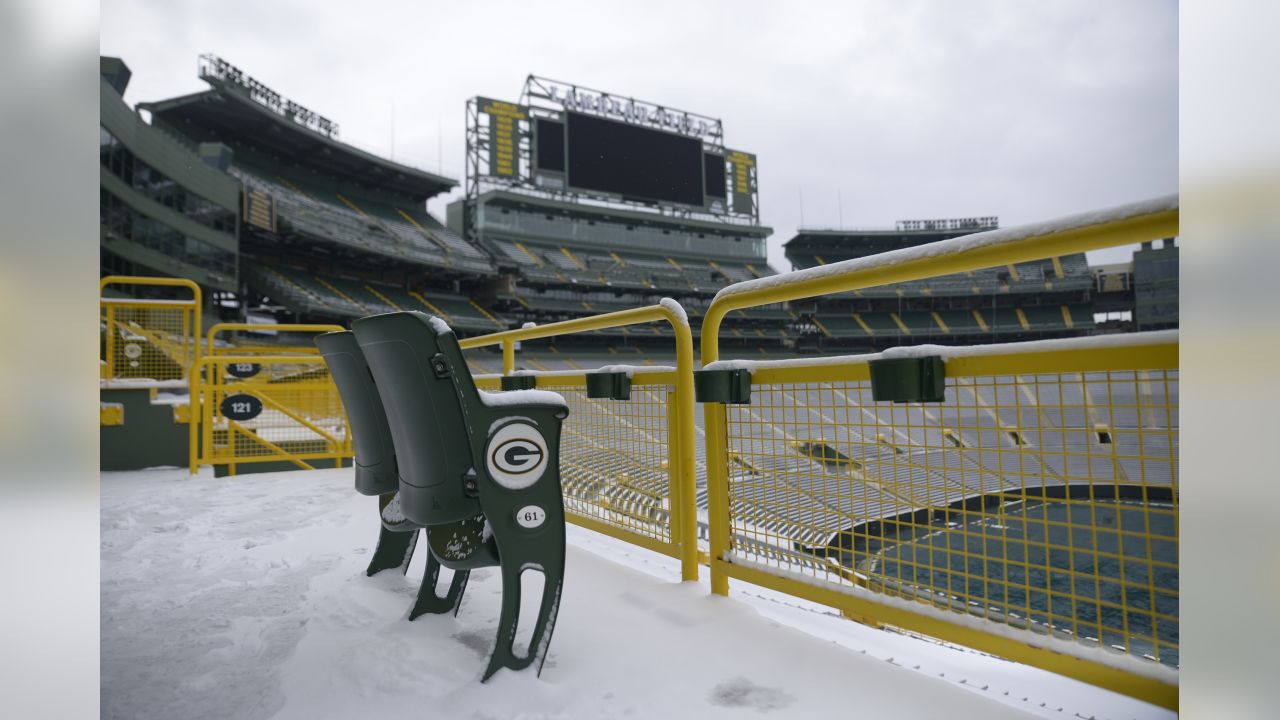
511, 400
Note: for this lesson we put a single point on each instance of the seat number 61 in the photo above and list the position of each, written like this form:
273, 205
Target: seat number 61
531, 516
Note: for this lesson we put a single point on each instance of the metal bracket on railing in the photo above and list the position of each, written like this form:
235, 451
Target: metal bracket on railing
916, 379
609, 386
519, 382
723, 386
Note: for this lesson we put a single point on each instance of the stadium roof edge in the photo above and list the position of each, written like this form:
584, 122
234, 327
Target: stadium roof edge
163, 105
872, 232
225, 115
115, 71
850, 232
624, 214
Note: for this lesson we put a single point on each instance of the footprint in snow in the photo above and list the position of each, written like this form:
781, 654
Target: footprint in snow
170, 527
741, 692
479, 642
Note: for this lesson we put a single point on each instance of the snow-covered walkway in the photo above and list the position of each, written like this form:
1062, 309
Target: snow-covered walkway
246, 598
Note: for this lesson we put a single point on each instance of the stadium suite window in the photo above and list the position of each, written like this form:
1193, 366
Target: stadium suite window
121, 220
140, 176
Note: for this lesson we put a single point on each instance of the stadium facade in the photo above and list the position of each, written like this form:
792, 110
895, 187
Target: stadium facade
259, 201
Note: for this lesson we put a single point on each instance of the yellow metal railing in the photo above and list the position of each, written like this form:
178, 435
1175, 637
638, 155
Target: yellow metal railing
215, 338
616, 460
299, 402
149, 340
628, 466
285, 409
1033, 514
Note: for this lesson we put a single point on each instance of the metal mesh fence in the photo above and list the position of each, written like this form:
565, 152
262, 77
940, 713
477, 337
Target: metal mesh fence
151, 340
271, 410
1044, 502
614, 459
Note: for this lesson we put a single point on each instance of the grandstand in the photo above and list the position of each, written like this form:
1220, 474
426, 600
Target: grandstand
161, 209
1022, 301
571, 260
257, 200
317, 230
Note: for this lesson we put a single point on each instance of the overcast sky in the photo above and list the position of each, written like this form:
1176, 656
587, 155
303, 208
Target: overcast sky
861, 113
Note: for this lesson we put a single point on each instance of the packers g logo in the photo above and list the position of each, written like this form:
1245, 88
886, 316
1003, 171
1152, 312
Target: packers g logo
516, 456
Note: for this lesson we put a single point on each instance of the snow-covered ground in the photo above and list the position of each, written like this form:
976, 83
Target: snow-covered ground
246, 597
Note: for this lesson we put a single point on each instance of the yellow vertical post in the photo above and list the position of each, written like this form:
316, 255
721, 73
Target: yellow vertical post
688, 482
715, 421
111, 342
508, 357
195, 418
675, 483
714, 418
188, 351
195, 326
683, 452
211, 380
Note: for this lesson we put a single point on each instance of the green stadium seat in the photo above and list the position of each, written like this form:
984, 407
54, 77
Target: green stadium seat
881, 324
960, 322
920, 322
464, 454
840, 325
371, 226
1081, 316
1002, 319
1045, 317
376, 472
460, 312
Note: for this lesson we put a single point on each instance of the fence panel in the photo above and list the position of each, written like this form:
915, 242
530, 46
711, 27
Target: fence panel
149, 339
627, 466
1032, 514
616, 462
267, 408
1040, 501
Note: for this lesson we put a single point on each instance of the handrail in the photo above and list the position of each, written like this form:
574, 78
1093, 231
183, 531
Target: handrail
282, 358
283, 327
198, 302
197, 388
673, 314
1136, 222
651, 313
139, 280
1123, 225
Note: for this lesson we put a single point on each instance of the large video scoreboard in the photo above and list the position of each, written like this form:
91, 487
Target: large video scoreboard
566, 140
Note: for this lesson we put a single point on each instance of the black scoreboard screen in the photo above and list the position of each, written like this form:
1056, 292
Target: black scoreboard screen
632, 161
713, 171
549, 150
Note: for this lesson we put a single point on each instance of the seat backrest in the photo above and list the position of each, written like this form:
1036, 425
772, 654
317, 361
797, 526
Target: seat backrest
375, 459
425, 389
